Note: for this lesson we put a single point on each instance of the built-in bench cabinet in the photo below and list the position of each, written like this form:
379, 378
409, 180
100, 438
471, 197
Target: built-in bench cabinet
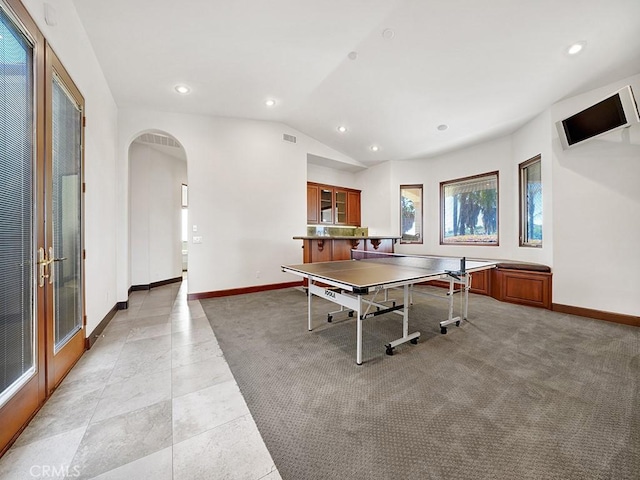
332, 205
524, 284
520, 283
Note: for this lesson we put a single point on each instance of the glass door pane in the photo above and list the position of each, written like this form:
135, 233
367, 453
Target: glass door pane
326, 205
66, 251
341, 207
17, 305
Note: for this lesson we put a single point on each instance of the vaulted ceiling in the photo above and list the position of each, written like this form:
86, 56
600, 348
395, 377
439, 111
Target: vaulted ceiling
393, 72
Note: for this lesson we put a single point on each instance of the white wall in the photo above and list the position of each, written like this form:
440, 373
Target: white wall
531, 140
377, 199
330, 176
70, 42
247, 195
596, 200
484, 158
248, 188
155, 214
591, 204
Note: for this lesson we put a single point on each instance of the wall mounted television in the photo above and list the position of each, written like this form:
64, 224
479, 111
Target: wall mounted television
614, 112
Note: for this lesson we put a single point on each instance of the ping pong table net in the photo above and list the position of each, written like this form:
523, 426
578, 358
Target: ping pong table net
446, 264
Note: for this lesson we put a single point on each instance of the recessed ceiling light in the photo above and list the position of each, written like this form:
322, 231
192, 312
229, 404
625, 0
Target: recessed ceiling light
342, 129
576, 48
388, 34
270, 103
375, 148
442, 127
182, 89
352, 55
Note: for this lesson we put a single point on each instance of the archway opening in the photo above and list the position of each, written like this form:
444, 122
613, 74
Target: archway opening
157, 209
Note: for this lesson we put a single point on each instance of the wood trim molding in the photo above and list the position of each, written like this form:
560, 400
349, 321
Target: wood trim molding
95, 334
149, 286
240, 291
597, 314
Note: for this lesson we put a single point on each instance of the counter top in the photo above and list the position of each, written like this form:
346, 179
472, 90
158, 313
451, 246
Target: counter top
347, 237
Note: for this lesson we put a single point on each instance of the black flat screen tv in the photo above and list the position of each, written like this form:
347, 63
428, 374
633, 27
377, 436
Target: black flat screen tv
616, 111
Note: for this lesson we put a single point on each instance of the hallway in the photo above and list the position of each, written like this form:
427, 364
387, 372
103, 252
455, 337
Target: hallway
153, 398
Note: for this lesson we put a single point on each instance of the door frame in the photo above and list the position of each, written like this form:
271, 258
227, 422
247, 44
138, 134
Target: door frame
23, 405
59, 363
19, 409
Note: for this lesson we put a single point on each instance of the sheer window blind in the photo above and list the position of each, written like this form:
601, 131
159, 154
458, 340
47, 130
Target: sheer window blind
17, 332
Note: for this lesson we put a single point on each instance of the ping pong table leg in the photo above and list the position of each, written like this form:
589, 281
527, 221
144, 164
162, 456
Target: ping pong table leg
309, 297
359, 332
452, 287
467, 287
405, 313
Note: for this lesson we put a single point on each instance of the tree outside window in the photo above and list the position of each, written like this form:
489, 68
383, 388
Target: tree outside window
531, 203
411, 213
469, 210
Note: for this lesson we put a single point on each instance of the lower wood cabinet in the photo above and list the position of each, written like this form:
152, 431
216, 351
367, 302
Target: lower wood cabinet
480, 283
522, 287
327, 249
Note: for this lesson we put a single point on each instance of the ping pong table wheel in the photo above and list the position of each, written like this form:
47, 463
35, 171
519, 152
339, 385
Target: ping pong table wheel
329, 318
351, 313
389, 349
443, 330
458, 323
414, 341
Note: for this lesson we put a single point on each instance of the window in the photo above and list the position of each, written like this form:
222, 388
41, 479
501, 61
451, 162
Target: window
531, 203
18, 329
184, 194
469, 210
411, 213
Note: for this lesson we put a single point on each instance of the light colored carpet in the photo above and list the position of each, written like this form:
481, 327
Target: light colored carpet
515, 393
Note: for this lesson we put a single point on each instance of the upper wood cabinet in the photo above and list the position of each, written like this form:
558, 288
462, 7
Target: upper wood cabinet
331, 205
313, 208
353, 208
326, 204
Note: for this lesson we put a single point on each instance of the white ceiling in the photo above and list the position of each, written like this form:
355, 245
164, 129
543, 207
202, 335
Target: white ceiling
483, 67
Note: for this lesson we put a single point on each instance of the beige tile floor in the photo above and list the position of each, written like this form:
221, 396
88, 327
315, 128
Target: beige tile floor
153, 399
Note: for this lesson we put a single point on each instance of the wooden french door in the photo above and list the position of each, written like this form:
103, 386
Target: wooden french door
41, 245
63, 248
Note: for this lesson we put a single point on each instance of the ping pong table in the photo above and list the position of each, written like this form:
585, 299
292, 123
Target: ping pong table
357, 285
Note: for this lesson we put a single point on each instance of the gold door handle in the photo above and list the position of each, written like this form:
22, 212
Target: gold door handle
43, 263
46, 266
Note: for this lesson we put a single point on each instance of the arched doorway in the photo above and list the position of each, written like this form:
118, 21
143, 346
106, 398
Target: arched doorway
157, 211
